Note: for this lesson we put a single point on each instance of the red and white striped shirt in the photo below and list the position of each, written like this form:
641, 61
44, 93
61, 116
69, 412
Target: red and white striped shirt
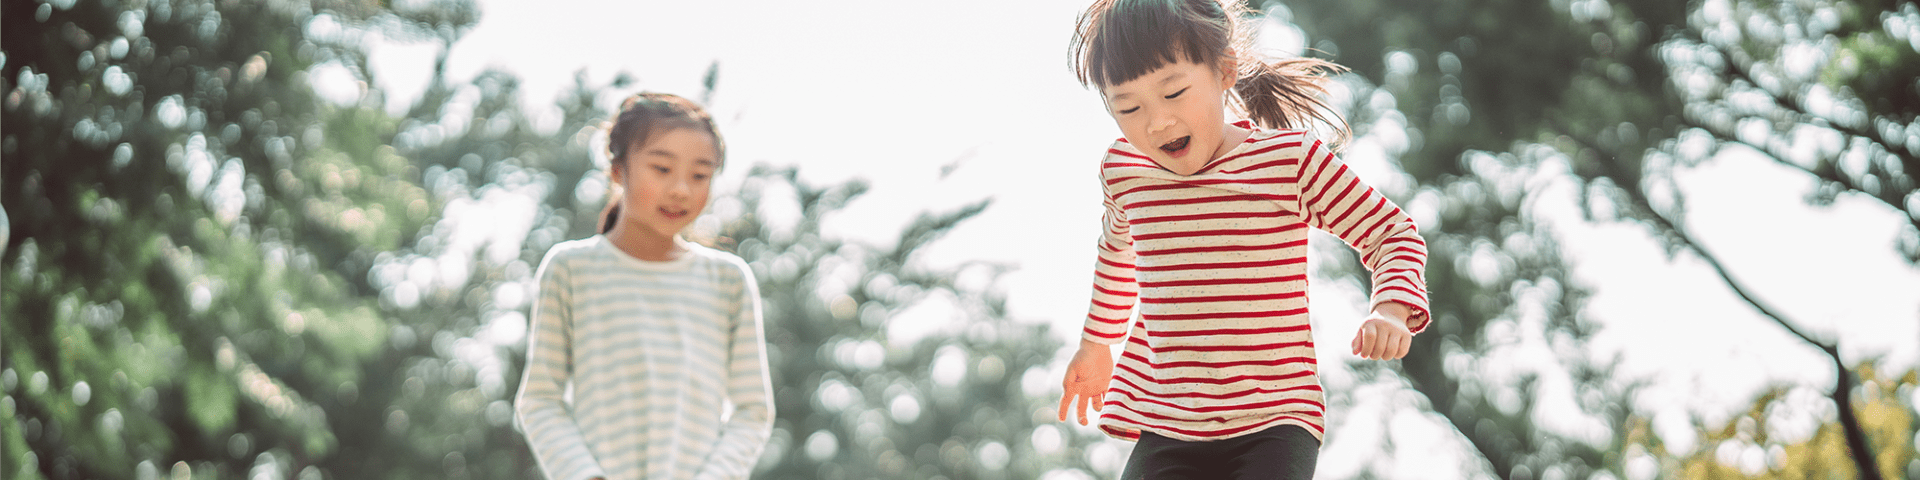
1218, 263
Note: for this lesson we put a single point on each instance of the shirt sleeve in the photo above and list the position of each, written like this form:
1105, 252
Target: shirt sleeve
1115, 289
1338, 202
748, 388
545, 418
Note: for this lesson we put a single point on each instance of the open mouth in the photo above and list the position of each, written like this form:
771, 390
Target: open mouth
672, 213
1177, 145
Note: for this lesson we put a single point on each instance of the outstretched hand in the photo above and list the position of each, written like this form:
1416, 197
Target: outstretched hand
1085, 384
1384, 335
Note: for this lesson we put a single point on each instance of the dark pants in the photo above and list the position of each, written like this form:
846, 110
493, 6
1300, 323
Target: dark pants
1279, 452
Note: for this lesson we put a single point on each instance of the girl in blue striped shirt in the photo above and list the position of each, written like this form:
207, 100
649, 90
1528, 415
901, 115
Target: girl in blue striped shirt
647, 358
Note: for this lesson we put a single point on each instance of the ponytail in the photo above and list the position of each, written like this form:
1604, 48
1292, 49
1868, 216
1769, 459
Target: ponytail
612, 217
1287, 94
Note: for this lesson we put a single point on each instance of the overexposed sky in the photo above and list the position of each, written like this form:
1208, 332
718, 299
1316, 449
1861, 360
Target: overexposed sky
939, 104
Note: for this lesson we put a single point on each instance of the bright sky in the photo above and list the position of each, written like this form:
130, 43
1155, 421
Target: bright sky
898, 92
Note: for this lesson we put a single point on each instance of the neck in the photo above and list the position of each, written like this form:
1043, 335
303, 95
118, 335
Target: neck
1230, 137
649, 246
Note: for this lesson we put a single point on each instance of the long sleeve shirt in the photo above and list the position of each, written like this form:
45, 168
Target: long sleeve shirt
645, 370
1217, 264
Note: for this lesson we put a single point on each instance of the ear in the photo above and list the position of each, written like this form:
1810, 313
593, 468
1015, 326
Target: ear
1229, 70
617, 188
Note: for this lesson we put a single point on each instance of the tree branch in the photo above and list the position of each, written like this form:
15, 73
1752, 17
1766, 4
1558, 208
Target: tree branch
1796, 107
1740, 70
1667, 225
1845, 182
1842, 394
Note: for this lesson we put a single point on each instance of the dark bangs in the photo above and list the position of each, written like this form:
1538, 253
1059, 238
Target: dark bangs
1120, 40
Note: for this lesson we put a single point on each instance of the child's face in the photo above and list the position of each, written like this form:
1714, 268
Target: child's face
1176, 113
667, 180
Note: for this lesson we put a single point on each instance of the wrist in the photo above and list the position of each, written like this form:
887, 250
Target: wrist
1401, 313
1392, 311
1398, 313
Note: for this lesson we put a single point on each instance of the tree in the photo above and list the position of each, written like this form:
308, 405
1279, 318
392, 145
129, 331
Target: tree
856, 401
1493, 269
850, 401
1736, 82
1751, 445
1625, 90
346, 296
190, 233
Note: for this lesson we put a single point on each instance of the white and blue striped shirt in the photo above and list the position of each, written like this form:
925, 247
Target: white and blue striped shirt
645, 370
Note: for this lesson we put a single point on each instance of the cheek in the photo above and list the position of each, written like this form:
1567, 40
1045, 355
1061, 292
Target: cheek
634, 195
1205, 110
638, 190
1207, 120
1135, 131
1219, 109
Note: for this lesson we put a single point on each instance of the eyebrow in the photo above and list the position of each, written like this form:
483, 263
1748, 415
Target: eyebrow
1170, 79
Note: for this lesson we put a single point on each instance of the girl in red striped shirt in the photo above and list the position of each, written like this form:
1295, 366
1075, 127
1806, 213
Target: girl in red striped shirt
1206, 233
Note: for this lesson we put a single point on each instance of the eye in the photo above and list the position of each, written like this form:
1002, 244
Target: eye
1176, 94
1130, 110
661, 169
701, 177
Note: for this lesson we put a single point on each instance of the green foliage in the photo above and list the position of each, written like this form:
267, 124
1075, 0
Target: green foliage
1747, 446
184, 241
1451, 89
828, 307
1624, 92
854, 400
212, 273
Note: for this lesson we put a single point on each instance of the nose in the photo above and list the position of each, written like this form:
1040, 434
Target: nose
1159, 121
679, 188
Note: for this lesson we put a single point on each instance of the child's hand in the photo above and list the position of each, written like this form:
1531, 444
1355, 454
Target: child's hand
1384, 335
1086, 382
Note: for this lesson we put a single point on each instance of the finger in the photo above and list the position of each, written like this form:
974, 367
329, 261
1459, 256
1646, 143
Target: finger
1368, 341
1080, 407
1406, 346
1360, 341
1066, 398
1099, 399
1382, 344
1377, 344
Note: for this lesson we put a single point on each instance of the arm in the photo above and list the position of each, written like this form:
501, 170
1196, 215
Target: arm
1114, 293
1114, 289
748, 388
547, 420
1338, 202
